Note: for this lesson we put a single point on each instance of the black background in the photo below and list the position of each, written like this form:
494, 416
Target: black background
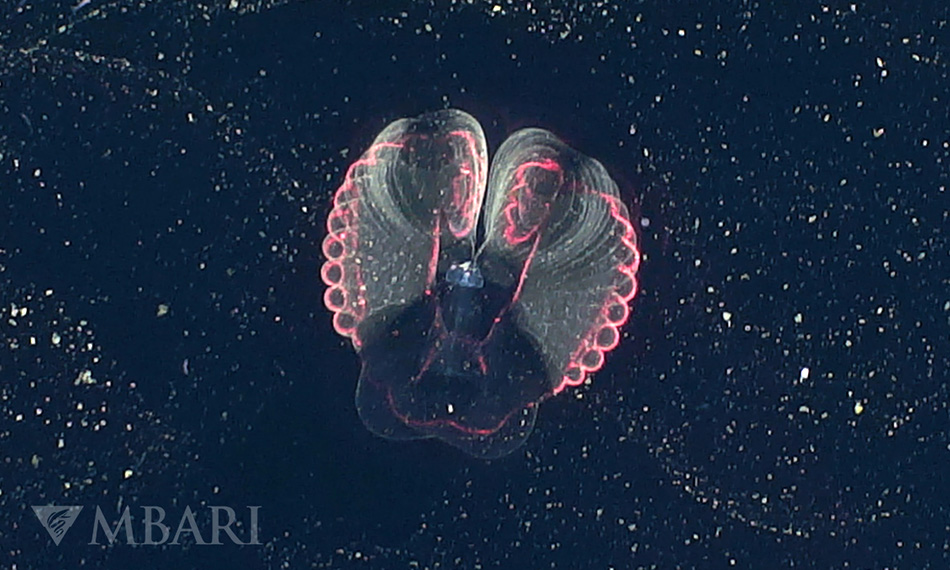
787, 168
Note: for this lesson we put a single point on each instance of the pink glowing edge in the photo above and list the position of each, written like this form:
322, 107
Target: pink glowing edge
604, 334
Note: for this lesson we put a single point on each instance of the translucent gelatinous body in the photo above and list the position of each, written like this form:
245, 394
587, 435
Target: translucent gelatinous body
463, 331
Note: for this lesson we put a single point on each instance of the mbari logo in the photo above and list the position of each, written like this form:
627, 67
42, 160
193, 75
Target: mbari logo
154, 530
57, 520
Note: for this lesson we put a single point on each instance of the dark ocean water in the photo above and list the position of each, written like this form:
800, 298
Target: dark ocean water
779, 399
